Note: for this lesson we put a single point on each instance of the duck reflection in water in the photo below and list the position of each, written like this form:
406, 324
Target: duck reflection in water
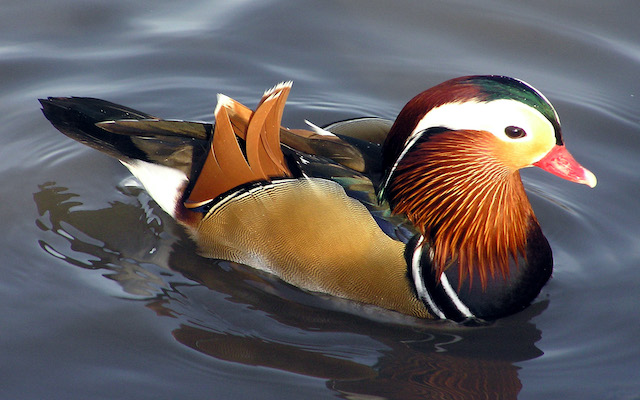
234, 314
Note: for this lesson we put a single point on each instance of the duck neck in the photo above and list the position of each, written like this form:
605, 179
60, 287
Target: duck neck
447, 297
472, 211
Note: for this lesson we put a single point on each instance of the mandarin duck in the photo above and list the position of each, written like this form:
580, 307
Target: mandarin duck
426, 215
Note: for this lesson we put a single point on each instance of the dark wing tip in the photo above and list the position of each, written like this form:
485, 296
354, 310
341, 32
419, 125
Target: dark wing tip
91, 108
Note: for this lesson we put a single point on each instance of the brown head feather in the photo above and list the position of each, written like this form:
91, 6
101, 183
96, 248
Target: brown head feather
470, 206
458, 89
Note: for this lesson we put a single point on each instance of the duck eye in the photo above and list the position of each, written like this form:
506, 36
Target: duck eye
515, 132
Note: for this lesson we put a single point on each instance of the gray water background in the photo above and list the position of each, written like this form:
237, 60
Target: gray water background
103, 297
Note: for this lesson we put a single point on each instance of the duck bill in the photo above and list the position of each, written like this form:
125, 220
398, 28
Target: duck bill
561, 163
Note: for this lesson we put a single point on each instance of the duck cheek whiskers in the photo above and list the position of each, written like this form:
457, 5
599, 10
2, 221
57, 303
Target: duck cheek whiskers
470, 207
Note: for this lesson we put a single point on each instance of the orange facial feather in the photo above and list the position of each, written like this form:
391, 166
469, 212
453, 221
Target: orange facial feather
468, 204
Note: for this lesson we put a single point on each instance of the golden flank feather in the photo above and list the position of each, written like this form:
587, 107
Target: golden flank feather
227, 166
470, 206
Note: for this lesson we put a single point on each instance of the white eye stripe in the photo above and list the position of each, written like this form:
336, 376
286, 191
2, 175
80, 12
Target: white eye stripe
493, 116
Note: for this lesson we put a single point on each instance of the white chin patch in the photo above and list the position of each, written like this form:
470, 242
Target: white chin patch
164, 184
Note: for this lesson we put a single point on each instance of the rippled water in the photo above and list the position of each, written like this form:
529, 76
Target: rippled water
102, 295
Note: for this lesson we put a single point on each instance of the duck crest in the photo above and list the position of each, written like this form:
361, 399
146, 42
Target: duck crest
459, 90
471, 209
402, 129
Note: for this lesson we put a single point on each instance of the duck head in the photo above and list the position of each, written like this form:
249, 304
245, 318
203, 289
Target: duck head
452, 159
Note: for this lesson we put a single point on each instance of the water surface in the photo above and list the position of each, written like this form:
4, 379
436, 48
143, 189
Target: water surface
102, 295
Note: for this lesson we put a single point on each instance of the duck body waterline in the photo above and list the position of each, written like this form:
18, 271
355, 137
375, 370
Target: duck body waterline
426, 215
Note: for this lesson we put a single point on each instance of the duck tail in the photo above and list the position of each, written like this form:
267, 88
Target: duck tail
128, 134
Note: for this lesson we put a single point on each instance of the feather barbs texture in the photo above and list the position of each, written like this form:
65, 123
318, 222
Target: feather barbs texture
471, 208
229, 164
